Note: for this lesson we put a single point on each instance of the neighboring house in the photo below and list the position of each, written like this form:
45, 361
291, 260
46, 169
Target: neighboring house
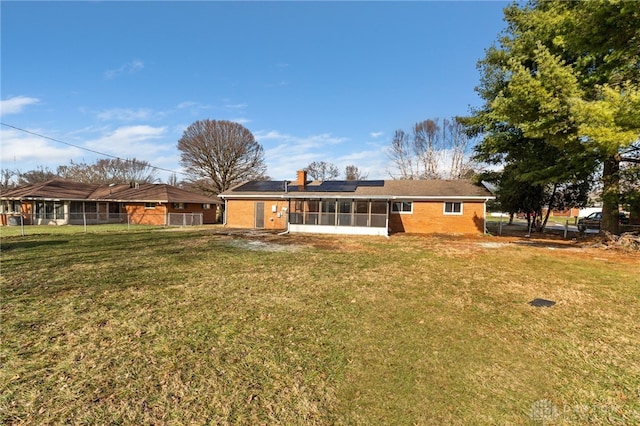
371, 207
61, 202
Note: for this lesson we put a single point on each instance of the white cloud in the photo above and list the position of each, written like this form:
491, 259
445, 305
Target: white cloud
129, 114
376, 135
186, 104
240, 120
128, 68
236, 106
25, 152
285, 154
193, 108
16, 104
132, 141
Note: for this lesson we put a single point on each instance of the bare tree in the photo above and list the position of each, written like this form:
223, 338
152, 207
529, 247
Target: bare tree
109, 170
7, 178
427, 146
217, 154
321, 170
173, 180
431, 152
41, 174
458, 143
401, 155
352, 172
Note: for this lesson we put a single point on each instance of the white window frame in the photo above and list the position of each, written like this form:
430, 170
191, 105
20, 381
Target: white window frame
452, 213
178, 206
11, 206
402, 204
206, 206
150, 205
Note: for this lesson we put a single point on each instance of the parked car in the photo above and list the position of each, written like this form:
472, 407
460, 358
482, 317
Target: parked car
593, 221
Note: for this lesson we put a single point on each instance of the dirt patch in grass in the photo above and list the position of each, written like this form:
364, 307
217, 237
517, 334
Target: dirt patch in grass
577, 247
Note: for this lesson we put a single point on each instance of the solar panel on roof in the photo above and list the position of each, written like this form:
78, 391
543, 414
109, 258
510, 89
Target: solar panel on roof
262, 186
326, 186
370, 183
336, 186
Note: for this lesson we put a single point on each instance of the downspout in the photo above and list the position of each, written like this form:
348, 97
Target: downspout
387, 236
484, 214
287, 231
224, 213
288, 223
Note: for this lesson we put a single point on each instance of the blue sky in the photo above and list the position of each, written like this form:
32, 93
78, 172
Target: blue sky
313, 81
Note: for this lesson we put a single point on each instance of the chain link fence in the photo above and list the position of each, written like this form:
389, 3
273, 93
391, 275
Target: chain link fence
113, 221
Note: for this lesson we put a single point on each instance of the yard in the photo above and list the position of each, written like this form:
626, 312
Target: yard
202, 326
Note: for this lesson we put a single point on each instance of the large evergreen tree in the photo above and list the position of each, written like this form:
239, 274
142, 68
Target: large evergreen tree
566, 75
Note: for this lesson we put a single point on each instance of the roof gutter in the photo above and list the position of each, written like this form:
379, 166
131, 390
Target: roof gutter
290, 196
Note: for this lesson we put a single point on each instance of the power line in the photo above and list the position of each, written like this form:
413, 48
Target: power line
91, 150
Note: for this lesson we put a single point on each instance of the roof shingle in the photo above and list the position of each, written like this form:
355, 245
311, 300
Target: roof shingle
388, 189
74, 191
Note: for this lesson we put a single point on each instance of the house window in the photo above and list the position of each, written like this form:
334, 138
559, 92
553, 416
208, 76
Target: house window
149, 205
206, 206
49, 210
452, 207
178, 206
10, 206
402, 207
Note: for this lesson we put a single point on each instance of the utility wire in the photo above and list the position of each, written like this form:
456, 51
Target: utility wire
91, 150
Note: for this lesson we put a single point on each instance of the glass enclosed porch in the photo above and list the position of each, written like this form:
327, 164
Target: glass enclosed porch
339, 216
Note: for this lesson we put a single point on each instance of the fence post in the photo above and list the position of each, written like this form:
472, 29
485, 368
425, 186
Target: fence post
566, 228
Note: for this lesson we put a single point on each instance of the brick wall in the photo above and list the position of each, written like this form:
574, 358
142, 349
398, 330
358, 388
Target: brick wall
209, 216
429, 217
241, 213
140, 215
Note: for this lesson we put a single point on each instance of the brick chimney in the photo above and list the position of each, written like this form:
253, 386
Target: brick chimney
302, 179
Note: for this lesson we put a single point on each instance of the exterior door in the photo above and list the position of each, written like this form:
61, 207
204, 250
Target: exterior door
103, 213
259, 214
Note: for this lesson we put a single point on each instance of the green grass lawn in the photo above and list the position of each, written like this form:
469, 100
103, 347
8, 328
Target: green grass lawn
200, 327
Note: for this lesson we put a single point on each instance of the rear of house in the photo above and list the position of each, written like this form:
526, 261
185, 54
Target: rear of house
373, 207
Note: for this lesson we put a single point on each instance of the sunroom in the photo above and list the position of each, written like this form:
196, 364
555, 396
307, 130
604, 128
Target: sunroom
338, 216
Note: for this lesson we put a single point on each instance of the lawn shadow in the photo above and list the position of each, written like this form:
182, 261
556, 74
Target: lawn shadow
12, 245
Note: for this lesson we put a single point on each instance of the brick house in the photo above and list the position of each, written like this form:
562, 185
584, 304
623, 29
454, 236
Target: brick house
371, 207
61, 202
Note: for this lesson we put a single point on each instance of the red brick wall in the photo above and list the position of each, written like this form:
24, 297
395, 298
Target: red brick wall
140, 215
209, 216
241, 214
158, 215
428, 217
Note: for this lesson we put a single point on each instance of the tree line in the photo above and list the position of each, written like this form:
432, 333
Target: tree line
103, 171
